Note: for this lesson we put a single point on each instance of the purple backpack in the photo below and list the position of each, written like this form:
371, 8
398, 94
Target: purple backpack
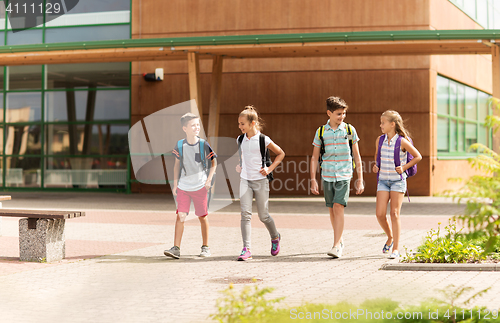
397, 161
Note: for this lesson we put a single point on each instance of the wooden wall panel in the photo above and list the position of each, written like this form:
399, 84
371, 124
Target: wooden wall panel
446, 169
306, 92
292, 64
210, 17
293, 104
475, 70
445, 15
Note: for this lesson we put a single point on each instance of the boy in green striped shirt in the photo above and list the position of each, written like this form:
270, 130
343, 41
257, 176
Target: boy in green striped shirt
336, 144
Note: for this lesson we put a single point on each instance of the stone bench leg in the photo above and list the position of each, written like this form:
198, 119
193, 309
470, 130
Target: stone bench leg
41, 240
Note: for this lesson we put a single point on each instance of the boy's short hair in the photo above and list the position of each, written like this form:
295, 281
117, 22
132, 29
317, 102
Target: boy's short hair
188, 117
334, 103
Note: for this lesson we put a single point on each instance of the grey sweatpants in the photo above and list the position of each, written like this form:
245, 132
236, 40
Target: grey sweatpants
259, 189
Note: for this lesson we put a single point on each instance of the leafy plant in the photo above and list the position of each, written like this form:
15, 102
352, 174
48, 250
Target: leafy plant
483, 191
249, 305
447, 309
450, 248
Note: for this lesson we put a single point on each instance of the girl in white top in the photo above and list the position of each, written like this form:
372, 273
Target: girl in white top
392, 180
254, 181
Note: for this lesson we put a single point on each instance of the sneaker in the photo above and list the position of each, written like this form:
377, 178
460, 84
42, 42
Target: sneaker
245, 255
174, 252
387, 248
395, 254
275, 246
336, 252
205, 251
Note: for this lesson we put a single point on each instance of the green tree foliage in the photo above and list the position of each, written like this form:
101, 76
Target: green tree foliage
482, 192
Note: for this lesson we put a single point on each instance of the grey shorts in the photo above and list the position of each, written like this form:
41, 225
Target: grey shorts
336, 192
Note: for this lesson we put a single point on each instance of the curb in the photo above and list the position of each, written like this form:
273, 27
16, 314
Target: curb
440, 267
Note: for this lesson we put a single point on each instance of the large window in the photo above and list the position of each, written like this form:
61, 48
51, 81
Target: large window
88, 20
65, 126
461, 114
484, 12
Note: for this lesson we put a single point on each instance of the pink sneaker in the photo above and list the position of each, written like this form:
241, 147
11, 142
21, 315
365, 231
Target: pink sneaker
245, 255
275, 246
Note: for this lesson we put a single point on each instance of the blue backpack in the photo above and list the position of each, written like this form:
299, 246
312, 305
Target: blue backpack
203, 158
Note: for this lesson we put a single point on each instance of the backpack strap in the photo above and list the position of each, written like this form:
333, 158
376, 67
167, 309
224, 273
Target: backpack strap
202, 154
180, 144
240, 140
380, 143
262, 145
349, 137
397, 158
321, 131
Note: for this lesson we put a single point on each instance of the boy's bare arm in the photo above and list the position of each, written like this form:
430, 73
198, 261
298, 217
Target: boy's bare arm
177, 169
211, 174
359, 183
314, 167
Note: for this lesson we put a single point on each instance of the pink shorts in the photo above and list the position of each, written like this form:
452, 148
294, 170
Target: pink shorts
199, 198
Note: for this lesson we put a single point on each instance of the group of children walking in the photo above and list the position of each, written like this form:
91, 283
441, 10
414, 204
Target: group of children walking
335, 152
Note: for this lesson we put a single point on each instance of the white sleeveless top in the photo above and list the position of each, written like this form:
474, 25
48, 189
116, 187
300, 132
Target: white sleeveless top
387, 167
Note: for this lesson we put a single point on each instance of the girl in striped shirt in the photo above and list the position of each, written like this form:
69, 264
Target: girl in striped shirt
391, 179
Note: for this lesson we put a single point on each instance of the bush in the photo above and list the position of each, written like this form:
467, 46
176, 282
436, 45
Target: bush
451, 248
483, 192
448, 309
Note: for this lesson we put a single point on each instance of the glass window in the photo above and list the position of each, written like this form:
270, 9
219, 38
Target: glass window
24, 107
25, 37
470, 8
461, 100
453, 98
73, 105
88, 75
23, 140
496, 15
482, 12
97, 139
24, 77
78, 34
443, 131
86, 172
442, 94
483, 106
470, 103
23, 172
484, 136
461, 137
87, 12
1, 115
470, 134
453, 135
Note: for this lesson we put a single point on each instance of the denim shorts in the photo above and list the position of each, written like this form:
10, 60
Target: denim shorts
392, 186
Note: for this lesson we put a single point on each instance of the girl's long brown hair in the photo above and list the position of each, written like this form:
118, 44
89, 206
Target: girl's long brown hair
251, 114
394, 116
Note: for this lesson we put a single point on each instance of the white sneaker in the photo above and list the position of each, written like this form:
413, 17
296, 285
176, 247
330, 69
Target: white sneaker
205, 251
395, 254
336, 252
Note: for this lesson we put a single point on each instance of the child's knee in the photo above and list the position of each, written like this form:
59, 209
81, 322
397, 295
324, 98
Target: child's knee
181, 216
395, 214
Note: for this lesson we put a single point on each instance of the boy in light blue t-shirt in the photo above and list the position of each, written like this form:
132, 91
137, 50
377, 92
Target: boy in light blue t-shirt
332, 144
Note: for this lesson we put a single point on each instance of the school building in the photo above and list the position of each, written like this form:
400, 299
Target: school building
72, 86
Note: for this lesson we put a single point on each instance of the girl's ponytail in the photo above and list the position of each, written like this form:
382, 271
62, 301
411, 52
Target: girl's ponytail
251, 114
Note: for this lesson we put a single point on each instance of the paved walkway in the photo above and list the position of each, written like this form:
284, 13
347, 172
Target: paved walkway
115, 270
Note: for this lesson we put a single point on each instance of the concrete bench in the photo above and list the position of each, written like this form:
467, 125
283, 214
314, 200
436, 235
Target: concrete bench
41, 233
